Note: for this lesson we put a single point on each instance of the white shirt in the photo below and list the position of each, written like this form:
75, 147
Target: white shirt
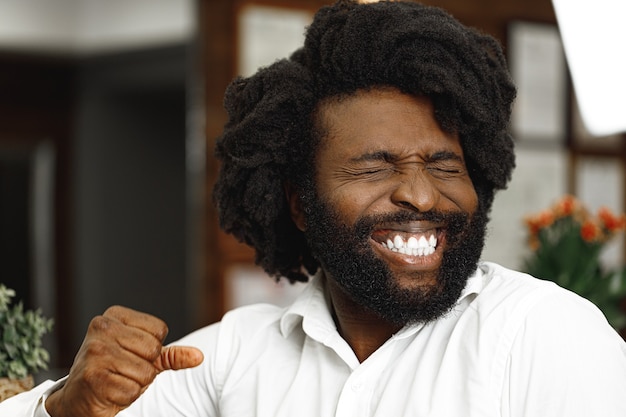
514, 346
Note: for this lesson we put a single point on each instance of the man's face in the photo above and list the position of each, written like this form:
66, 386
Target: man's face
392, 220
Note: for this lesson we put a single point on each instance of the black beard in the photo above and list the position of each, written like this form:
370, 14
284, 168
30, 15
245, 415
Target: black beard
346, 256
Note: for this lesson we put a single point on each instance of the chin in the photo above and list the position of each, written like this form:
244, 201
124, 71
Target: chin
400, 287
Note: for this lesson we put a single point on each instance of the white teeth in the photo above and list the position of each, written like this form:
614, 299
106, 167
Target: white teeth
413, 246
398, 242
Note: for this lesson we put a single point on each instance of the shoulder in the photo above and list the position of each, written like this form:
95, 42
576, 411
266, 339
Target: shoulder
235, 343
514, 308
537, 318
521, 294
238, 324
552, 343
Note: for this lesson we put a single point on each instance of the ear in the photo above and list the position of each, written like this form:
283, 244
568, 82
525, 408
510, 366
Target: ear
295, 206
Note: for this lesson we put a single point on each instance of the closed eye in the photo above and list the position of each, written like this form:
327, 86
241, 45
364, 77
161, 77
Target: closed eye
372, 166
449, 168
445, 173
370, 172
446, 165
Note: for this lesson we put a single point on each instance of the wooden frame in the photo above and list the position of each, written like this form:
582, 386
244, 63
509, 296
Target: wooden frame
219, 49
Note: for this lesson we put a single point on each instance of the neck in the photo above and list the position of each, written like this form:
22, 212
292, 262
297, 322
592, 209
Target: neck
363, 329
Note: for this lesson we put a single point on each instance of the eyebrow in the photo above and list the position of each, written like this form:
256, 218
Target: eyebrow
445, 155
375, 156
387, 156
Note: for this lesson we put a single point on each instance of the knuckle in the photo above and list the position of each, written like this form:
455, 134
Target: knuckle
165, 331
96, 348
150, 349
155, 351
115, 311
160, 329
95, 377
100, 324
147, 376
169, 358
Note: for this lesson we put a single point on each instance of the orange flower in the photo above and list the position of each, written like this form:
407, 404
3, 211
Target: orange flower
611, 222
566, 242
570, 210
590, 231
535, 224
566, 206
540, 221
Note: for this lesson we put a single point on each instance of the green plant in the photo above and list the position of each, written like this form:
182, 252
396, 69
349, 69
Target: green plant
567, 241
21, 331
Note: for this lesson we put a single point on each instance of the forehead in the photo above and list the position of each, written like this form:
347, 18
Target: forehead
382, 119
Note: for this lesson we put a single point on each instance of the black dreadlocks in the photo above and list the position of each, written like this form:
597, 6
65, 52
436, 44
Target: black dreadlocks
271, 135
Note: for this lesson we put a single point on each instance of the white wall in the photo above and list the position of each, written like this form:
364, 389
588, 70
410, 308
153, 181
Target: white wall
539, 179
92, 26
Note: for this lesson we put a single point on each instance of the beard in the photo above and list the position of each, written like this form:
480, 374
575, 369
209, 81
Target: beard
346, 255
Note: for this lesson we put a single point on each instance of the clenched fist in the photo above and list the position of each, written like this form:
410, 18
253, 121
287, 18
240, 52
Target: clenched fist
121, 355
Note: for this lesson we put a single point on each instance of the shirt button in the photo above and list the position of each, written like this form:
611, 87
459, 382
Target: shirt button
357, 386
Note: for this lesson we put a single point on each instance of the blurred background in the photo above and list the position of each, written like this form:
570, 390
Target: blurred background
108, 115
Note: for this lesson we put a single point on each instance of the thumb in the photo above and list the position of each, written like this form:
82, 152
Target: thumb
178, 357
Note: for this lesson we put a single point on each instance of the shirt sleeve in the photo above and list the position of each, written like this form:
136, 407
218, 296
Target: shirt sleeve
30, 403
183, 393
566, 361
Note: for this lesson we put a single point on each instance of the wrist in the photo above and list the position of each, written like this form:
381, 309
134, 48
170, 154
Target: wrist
52, 404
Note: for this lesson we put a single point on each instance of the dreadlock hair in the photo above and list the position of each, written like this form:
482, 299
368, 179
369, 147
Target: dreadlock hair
271, 135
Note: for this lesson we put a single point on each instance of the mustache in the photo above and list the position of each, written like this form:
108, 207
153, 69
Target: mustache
456, 222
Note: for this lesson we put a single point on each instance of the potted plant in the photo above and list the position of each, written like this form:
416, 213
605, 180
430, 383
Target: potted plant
21, 351
566, 242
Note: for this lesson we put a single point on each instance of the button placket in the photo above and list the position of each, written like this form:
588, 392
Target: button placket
355, 397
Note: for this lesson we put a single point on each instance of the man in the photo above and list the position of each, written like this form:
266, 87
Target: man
368, 160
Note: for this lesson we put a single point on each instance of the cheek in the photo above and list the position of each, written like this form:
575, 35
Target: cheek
463, 195
350, 203
340, 197
351, 200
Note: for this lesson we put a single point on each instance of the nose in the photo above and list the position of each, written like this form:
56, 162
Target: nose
416, 191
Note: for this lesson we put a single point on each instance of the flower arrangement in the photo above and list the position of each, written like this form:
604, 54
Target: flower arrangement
21, 331
566, 242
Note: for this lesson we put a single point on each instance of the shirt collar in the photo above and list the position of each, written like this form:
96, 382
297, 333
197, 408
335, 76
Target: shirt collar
475, 283
473, 287
313, 304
